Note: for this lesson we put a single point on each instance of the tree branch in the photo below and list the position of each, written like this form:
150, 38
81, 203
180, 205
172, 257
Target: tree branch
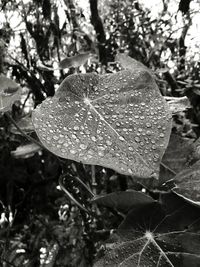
98, 26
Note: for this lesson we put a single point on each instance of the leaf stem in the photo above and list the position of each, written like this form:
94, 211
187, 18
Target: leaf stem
84, 185
69, 195
93, 175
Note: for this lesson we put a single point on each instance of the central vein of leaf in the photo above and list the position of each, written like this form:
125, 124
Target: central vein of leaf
149, 235
88, 101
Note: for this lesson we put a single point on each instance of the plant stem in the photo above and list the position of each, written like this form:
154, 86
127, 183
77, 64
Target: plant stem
69, 195
94, 184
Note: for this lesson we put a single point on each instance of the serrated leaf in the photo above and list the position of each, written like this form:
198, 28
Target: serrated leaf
9, 93
123, 201
119, 121
145, 239
74, 61
188, 183
25, 151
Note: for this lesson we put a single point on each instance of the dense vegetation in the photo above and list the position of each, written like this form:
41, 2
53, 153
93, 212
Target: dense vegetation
99, 169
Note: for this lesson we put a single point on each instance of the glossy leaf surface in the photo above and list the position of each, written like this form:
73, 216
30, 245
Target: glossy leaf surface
119, 121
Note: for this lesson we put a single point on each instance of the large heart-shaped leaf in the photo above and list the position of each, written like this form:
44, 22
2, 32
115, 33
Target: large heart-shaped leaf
149, 236
119, 121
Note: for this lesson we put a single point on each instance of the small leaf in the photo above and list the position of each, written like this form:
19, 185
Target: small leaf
123, 201
75, 61
178, 104
25, 124
128, 63
9, 93
188, 183
25, 151
119, 121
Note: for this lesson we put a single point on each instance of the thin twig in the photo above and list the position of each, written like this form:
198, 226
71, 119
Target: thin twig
168, 168
27, 97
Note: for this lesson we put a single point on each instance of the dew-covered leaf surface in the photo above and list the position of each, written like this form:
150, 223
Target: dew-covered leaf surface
9, 93
149, 236
188, 183
123, 201
119, 121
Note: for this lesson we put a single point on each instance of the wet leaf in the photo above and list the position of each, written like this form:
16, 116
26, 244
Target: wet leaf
9, 93
75, 61
119, 121
25, 151
188, 183
123, 201
144, 239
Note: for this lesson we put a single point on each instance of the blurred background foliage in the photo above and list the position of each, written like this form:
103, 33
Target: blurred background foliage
39, 226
